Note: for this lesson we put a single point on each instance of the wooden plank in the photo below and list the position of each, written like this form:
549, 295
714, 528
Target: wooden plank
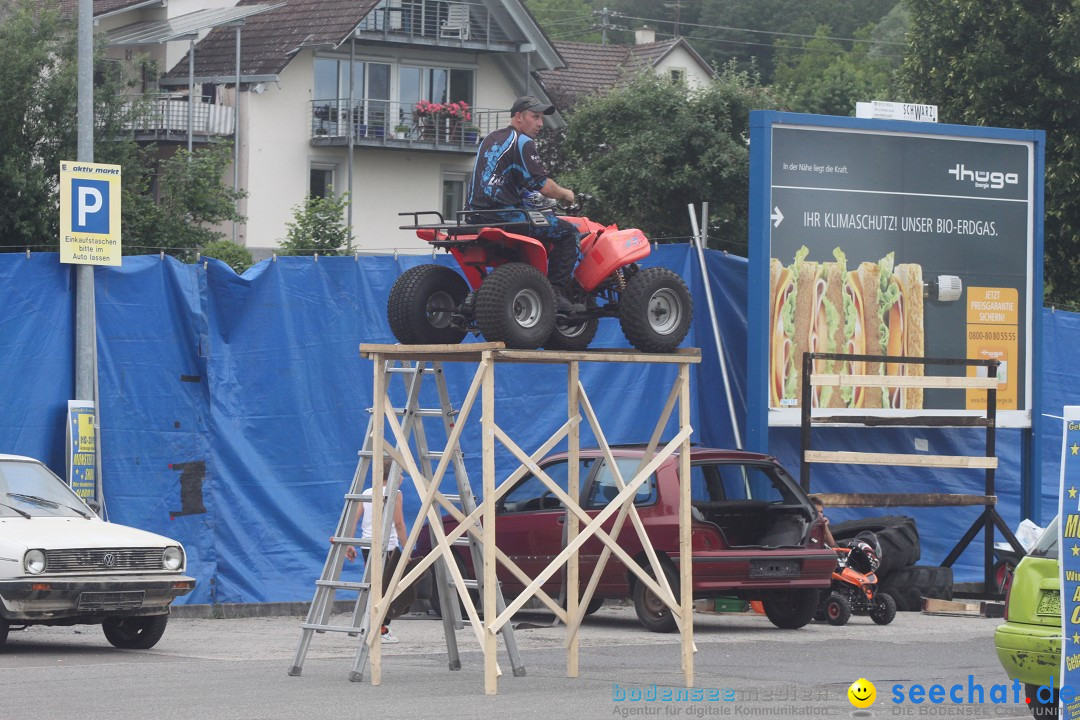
686, 595
679, 355
573, 444
908, 421
487, 424
923, 381
934, 606
472, 352
906, 460
904, 499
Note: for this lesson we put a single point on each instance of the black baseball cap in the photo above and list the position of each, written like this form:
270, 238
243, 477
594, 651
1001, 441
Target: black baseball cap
528, 102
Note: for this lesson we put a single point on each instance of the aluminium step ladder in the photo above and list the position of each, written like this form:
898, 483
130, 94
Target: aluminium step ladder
330, 582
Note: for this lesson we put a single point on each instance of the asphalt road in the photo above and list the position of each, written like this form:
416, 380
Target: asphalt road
207, 669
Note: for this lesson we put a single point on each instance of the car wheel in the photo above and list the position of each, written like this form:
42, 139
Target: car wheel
884, 609
837, 609
1045, 707
137, 633
594, 605
651, 610
3, 630
791, 609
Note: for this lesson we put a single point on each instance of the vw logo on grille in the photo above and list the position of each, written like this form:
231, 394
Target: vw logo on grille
108, 560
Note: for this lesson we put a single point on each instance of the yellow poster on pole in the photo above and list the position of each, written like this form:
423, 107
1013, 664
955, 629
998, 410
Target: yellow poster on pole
89, 213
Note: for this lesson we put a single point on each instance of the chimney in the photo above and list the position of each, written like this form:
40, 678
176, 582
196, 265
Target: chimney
644, 35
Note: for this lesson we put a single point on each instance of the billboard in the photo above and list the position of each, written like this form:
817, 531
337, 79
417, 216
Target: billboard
892, 238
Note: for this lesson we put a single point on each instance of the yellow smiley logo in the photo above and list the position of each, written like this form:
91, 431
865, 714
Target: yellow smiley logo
862, 693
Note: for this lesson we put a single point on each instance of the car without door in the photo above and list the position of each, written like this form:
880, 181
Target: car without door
754, 533
62, 565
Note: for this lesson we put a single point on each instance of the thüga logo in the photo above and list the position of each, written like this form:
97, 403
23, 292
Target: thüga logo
984, 178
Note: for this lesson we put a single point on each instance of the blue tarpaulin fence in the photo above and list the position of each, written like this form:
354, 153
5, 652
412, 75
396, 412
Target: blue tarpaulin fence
232, 407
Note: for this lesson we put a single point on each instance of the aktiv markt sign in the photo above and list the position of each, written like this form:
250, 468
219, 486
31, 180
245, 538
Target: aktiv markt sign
89, 213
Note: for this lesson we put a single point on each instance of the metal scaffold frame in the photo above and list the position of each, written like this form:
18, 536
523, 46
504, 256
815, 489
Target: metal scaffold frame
480, 523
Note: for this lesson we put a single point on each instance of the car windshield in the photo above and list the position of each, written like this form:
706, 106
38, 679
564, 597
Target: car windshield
1047, 544
29, 488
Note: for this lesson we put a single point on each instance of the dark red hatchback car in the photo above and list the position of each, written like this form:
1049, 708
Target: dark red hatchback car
755, 534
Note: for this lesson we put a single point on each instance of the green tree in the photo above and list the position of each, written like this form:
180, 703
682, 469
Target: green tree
648, 149
1008, 64
318, 226
38, 79
37, 120
823, 78
565, 19
748, 31
192, 200
235, 256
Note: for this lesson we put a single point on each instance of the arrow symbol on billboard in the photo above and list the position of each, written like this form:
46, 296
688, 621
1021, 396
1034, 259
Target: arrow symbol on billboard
777, 217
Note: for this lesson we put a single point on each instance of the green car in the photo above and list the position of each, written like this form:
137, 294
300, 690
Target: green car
1028, 644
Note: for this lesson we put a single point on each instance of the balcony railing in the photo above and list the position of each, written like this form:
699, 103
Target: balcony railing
167, 116
394, 124
436, 20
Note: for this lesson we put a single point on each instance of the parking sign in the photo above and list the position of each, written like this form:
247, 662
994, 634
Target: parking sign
89, 213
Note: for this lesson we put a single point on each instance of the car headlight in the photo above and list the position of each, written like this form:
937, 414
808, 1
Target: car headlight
172, 558
34, 562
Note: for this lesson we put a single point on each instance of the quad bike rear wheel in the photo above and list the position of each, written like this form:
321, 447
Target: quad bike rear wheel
516, 305
421, 305
655, 310
573, 337
884, 608
837, 609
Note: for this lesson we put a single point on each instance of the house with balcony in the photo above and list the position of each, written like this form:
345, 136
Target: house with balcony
384, 99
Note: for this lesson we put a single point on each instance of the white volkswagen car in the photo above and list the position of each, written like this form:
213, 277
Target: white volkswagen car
62, 565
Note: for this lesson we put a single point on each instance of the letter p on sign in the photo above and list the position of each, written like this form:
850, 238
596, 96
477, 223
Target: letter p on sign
90, 209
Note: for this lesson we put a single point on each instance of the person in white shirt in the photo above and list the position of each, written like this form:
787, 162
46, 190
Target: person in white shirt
393, 541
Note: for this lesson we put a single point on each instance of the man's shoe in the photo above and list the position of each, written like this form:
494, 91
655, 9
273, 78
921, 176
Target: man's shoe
388, 638
562, 304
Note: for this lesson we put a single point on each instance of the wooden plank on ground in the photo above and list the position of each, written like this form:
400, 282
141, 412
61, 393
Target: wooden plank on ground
907, 460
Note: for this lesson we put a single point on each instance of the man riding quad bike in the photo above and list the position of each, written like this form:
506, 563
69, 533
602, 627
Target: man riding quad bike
520, 285
506, 296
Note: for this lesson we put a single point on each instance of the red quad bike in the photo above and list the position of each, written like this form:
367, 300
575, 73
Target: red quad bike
505, 294
854, 585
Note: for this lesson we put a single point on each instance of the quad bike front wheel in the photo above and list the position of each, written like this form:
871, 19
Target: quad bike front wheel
655, 310
422, 303
516, 305
884, 608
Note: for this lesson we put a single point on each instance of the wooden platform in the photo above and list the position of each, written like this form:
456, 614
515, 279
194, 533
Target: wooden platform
474, 353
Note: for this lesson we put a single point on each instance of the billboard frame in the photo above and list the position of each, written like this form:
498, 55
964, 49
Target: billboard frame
762, 123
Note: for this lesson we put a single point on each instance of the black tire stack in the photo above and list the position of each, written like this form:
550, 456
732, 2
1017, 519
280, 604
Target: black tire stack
898, 574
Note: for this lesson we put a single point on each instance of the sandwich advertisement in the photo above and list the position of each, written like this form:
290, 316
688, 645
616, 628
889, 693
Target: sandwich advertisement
896, 239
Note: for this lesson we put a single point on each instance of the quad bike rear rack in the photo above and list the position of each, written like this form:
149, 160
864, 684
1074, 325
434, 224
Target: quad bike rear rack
461, 226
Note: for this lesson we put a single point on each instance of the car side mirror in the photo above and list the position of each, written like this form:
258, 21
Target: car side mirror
95, 506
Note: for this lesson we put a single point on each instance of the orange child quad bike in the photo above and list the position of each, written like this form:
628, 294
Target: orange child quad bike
854, 588
505, 294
